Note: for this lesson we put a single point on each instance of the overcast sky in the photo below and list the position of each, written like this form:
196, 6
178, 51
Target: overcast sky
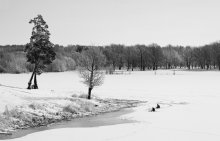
102, 22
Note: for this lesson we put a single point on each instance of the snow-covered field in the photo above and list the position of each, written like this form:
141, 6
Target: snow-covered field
189, 101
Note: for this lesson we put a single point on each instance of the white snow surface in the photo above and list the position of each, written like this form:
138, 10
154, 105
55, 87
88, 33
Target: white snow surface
189, 105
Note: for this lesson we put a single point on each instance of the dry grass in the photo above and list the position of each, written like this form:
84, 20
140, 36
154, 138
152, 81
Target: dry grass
40, 113
71, 109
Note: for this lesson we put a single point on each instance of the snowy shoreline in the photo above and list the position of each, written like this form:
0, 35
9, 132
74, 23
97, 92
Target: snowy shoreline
45, 113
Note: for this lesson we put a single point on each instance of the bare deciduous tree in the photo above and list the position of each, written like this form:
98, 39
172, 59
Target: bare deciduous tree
90, 62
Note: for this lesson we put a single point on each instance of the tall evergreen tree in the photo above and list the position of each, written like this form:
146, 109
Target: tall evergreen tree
39, 51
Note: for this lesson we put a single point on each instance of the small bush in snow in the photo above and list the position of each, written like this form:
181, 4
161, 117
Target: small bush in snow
83, 96
86, 106
74, 95
35, 106
71, 109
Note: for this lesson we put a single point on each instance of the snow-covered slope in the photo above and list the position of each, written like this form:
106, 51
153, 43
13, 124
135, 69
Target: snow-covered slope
189, 105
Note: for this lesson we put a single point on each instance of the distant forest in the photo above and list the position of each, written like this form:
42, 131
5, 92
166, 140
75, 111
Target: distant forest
137, 57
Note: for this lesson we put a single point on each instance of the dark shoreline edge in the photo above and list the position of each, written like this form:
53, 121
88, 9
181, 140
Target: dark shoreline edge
108, 105
103, 119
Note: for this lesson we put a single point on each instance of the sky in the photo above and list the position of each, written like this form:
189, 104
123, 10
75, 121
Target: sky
103, 22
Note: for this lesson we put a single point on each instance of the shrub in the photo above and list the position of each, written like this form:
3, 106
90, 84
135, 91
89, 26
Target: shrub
83, 96
71, 109
74, 95
35, 106
87, 106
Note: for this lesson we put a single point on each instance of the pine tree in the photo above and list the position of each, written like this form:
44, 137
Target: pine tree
39, 51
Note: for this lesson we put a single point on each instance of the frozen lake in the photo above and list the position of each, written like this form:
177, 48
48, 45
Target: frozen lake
189, 101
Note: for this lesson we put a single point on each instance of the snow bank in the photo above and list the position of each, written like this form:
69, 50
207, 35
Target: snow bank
189, 105
23, 108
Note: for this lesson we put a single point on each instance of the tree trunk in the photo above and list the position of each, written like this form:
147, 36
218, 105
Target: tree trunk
35, 81
188, 66
119, 67
207, 66
128, 67
141, 63
89, 93
201, 66
113, 66
30, 81
90, 82
169, 65
154, 66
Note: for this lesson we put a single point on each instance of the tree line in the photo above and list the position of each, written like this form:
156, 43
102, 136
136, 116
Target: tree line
153, 57
13, 60
137, 57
